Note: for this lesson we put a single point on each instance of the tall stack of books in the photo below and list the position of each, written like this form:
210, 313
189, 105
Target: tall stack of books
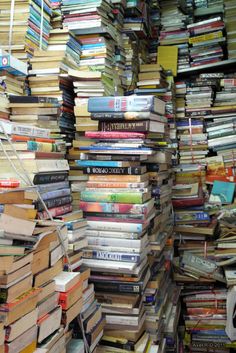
229, 15
174, 31
207, 41
159, 167
39, 152
49, 75
29, 32
115, 248
155, 20
30, 259
221, 132
131, 62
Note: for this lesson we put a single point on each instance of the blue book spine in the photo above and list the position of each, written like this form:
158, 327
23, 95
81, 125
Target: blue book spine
1, 208
85, 163
106, 148
56, 193
112, 256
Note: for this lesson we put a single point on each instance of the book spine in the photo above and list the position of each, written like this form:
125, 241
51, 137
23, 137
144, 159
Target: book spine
57, 211
111, 197
55, 194
120, 104
87, 163
118, 287
110, 226
115, 170
111, 256
30, 131
114, 185
113, 207
42, 147
113, 135
142, 126
56, 202
50, 178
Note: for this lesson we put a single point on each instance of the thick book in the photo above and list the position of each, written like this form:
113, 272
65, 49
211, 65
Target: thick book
129, 116
113, 164
23, 130
124, 286
126, 104
116, 170
120, 197
106, 207
32, 99
132, 126
113, 135
111, 256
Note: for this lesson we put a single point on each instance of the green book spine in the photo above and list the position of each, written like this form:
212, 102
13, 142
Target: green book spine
112, 197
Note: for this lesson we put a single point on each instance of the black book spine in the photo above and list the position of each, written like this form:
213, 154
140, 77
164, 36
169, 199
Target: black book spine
107, 116
48, 178
60, 201
31, 99
129, 346
113, 158
118, 287
128, 126
115, 170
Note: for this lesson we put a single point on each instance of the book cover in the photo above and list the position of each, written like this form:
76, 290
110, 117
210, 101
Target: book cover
222, 192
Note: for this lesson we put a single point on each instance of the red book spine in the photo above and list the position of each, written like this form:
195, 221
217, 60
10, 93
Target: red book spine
57, 211
113, 135
17, 138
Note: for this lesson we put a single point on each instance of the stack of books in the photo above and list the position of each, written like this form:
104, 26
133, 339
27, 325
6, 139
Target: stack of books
131, 62
229, 14
155, 20
49, 75
31, 257
37, 157
115, 248
136, 19
11, 84
206, 40
221, 132
205, 319
4, 109
174, 31
29, 31
152, 78
78, 302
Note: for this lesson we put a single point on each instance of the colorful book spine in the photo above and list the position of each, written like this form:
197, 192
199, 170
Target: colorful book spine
125, 197
205, 37
114, 207
56, 193
42, 146
87, 163
57, 211
120, 104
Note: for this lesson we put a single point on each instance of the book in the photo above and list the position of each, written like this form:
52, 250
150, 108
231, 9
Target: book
222, 192
133, 103
66, 280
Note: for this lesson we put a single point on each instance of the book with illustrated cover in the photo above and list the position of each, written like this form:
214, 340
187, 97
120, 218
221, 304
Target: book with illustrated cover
222, 192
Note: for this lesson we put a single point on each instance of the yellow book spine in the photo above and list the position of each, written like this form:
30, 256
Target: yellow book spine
205, 37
